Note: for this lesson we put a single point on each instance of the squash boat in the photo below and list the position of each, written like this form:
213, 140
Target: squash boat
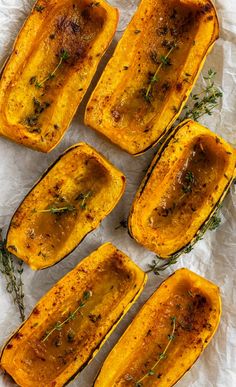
77, 192
52, 64
152, 72
174, 327
183, 188
72, 321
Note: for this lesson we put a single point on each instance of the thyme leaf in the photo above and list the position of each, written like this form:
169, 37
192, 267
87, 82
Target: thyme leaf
189, 180
13, 276
157, 265
164, 60
215, 222
58, 210
71, 316
83, 197
204, 102
200, 104
162, 355
31, 121
39, 8
63, 56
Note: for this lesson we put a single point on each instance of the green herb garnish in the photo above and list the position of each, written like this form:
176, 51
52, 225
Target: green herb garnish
63, 56
215, 222
204, 102
157, 265
83, 197
39, 8
164, 60
189, 180
162, 355
58, 210
72, 316
31, 121
13, 277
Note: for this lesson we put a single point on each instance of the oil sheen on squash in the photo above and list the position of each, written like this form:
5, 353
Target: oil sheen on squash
183, 187
68, 202
36, 357
55, 57
182, 316
145, 84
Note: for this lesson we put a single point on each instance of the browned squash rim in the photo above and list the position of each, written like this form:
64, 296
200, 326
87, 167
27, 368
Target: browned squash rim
136, 316
169, 128
41, 178
205, 223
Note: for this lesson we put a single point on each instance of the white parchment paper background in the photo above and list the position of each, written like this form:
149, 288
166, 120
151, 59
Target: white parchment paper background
214, 257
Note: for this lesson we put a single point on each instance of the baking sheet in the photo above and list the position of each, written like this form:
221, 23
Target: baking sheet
214, 257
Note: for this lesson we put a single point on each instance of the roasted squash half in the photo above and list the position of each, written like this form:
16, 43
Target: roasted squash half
183, 188
70, 200
52, 64
167, 336
150, 76
72, 321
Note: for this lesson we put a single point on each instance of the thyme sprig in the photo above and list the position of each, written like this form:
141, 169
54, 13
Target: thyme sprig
83, 197
13, 277
164, 60
157, 265
63, 56
215, 222
189, 180
58, 210
204, 102
162, 355
72, 316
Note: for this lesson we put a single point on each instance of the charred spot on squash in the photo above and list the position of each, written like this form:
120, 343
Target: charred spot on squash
36, 311
18, 336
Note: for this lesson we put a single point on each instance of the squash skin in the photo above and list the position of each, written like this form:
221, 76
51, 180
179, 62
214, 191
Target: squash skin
117, 107
43, 239
146, 330
167, 167
124, 280
39, 117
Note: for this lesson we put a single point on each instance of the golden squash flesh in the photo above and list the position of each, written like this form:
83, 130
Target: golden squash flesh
167, 336
52, 64
155, 65
184, 186
55, 343
70, 200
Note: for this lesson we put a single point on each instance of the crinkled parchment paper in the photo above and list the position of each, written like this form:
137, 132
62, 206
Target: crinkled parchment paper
214, 257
